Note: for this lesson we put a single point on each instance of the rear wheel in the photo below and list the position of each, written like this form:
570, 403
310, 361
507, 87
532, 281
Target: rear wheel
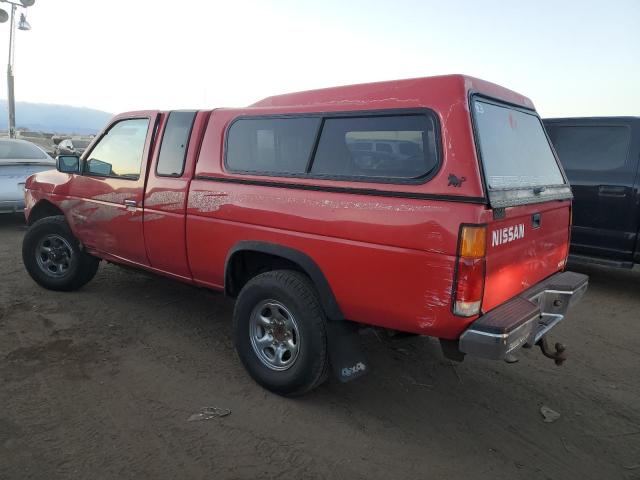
280, 332
52, 256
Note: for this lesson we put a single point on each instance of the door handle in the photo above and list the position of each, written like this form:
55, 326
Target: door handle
130, 204
612, 191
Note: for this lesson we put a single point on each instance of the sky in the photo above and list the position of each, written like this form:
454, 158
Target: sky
571, 57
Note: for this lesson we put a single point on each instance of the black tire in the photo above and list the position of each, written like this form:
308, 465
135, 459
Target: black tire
296, 292
81, 267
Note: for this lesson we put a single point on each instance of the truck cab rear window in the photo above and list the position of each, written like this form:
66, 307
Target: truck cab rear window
376, 147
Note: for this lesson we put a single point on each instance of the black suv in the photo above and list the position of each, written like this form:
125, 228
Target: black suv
600, 156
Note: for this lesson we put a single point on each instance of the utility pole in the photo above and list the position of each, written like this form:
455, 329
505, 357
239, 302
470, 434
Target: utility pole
11, 99
24, 25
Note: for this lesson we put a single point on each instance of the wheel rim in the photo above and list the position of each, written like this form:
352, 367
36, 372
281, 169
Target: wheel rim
54, 255
274, 334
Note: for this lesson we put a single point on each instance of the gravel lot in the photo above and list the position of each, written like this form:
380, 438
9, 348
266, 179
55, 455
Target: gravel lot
100, 383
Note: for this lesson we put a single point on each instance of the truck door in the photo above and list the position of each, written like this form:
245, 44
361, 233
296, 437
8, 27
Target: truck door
166, 193
596, 157
105, 209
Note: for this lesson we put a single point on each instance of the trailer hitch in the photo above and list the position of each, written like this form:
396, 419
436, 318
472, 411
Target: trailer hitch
559, 355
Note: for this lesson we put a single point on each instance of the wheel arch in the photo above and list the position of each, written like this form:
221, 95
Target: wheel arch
266, 256
43, 209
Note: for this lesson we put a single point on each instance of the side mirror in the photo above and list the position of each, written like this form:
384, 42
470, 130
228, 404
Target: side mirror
68, 163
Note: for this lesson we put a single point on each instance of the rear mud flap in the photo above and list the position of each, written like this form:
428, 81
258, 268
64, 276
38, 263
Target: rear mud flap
345, 350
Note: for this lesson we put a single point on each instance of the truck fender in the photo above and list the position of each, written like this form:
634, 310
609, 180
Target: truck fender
302, 260
43, 208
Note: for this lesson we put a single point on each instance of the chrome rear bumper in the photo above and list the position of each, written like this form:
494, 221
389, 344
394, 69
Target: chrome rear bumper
525, 319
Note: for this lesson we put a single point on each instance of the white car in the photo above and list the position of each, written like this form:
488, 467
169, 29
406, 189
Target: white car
18, 160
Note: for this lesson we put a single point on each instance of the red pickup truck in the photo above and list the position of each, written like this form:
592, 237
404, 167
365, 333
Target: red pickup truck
434, 206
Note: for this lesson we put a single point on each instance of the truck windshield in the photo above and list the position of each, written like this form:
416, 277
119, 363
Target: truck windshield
514, 148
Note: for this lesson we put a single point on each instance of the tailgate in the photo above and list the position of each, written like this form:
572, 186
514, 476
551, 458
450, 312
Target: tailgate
528, 245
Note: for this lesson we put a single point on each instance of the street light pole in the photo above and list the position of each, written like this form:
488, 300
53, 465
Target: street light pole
11, 99
24, 25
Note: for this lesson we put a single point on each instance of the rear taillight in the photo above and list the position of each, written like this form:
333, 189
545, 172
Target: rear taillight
468, 285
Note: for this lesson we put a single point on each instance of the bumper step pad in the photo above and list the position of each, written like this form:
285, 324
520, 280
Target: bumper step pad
525, 319
507, 319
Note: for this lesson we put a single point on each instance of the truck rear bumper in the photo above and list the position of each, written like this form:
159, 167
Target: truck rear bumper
525, 319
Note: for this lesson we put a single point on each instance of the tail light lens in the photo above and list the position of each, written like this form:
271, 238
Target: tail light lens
468, 284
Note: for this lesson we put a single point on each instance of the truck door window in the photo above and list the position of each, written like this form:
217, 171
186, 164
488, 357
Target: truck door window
175, 141
119, 153
596, 148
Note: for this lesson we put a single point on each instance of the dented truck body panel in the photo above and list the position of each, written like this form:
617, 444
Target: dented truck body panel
387, 249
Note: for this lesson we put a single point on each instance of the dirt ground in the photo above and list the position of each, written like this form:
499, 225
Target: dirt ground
100, 383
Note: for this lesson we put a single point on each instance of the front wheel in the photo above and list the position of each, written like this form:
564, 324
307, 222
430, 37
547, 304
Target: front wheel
52, 256
279, 332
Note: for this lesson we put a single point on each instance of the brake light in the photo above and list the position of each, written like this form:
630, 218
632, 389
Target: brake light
468, 285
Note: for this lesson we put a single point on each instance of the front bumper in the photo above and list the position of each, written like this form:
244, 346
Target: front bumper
525, 319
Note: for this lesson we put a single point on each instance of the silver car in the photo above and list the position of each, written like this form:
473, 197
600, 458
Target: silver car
18, 160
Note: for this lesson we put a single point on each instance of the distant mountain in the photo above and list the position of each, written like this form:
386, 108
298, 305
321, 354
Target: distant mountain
45, 117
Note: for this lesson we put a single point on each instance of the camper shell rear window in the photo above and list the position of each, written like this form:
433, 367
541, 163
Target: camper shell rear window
516, 155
